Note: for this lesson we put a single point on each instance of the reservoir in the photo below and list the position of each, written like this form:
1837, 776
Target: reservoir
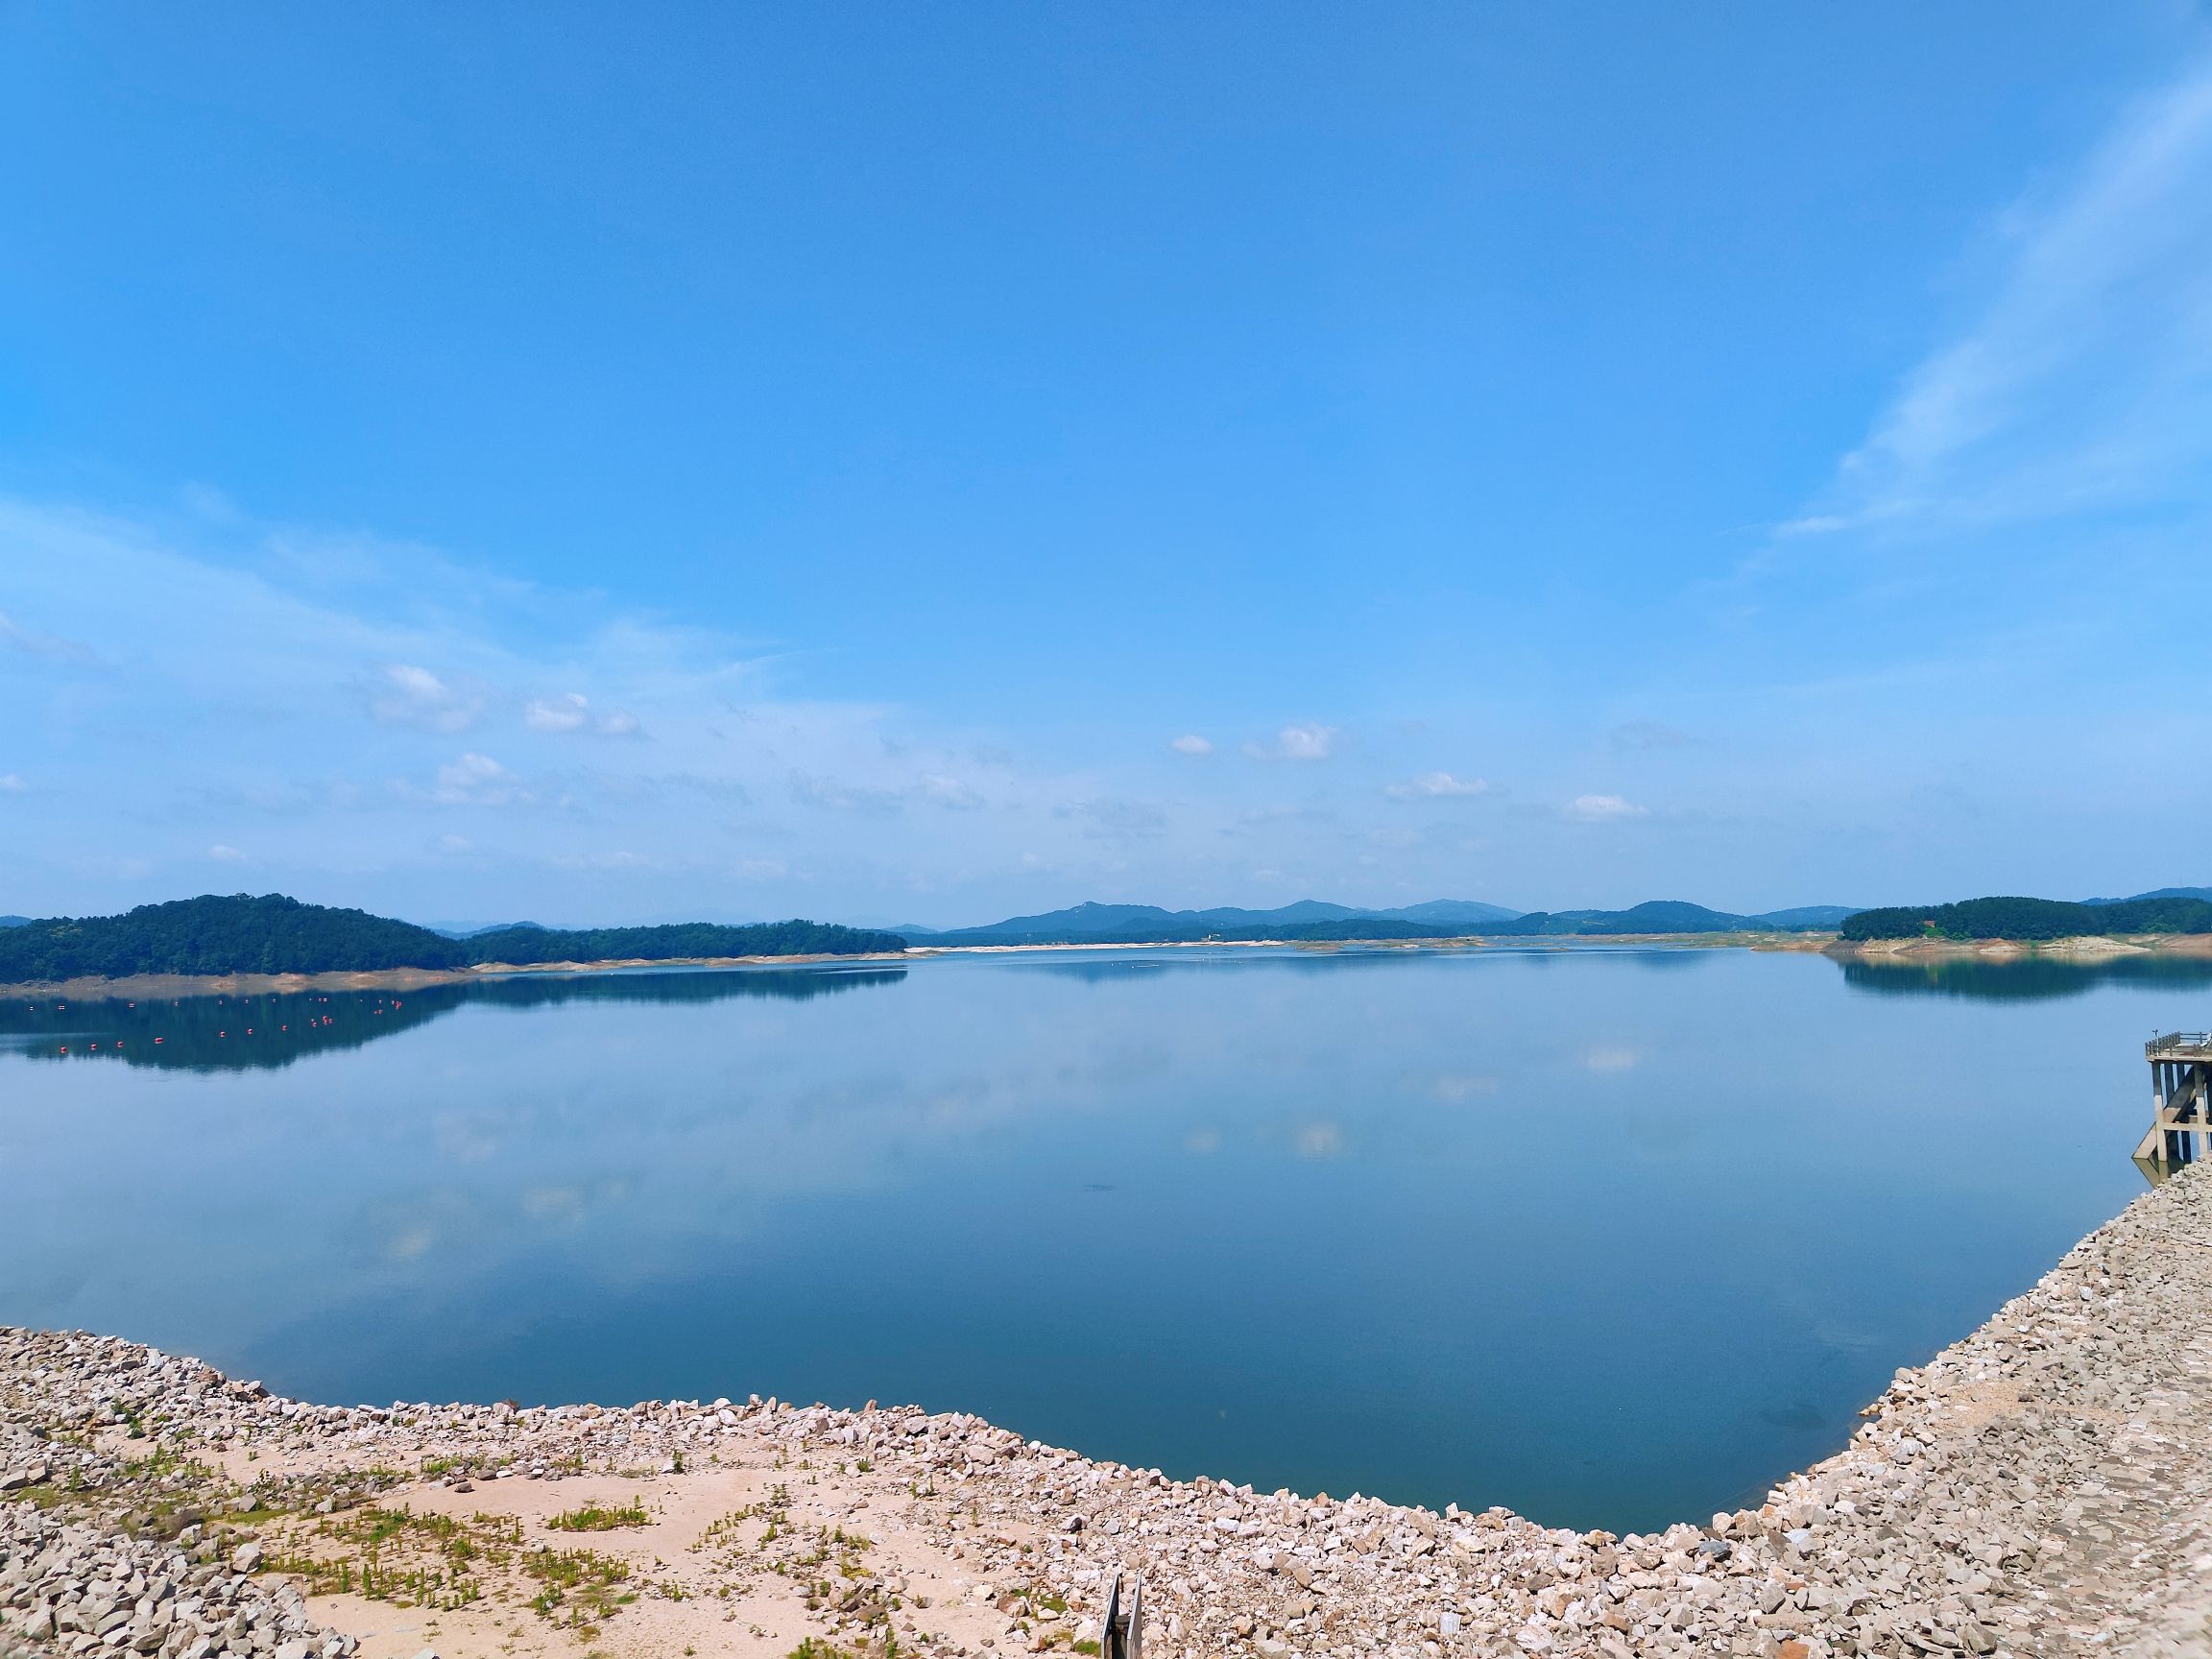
1612, 1237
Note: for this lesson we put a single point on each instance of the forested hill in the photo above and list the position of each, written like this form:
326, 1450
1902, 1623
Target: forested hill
273, 934
2030, 919
1668, 916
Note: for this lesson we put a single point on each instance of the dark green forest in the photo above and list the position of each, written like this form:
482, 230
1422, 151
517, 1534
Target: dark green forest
2028, 920
273, 935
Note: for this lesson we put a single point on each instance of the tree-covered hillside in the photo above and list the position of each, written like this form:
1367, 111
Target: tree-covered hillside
273, 935
1668, 916
676, 942
2030, 920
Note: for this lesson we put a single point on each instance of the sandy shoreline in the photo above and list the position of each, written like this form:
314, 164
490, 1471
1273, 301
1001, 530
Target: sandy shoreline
2087, 949
2044, 1486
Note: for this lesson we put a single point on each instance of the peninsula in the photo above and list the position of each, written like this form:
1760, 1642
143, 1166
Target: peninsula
274, 936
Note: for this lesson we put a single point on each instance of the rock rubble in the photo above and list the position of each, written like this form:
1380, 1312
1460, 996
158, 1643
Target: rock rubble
2043, 1487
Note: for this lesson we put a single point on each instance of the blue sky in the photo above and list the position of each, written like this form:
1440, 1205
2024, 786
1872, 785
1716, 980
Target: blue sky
922, 464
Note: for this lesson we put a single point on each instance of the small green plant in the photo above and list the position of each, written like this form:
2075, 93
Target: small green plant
597, 1518
582, 1582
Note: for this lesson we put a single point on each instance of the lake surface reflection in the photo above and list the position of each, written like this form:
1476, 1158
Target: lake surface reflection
1613, 1237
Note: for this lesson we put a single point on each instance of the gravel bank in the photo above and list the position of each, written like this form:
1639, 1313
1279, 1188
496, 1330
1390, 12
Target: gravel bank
2043, 1487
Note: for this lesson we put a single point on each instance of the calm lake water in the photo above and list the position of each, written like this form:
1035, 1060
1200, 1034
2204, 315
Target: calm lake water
1614, 1236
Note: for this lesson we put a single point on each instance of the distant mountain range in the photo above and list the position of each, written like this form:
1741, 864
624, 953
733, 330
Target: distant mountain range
476, 930
2156, 893
1310, 918
1094, 922
15, 921
1676, 916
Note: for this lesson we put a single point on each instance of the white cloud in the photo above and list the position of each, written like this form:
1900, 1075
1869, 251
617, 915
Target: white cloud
361, 703
1437, 786
1190, 743
1322, 1140
11, 783
455, 844
226, 854
477, 781
1296, 743
1610, 1059
403, 694
572, 712
568, 712
2086, 379
1604, 808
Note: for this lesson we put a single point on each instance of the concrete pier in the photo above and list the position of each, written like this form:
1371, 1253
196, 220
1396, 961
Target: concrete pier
2180, 1130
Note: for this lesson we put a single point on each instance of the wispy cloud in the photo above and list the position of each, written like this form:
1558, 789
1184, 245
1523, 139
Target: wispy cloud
1438, 786
570, 715
405, 694
1604, 809
1297, 743
2085, 381
225, 853
1118, 818
834, 795
478, 781
16, 636
1190, 743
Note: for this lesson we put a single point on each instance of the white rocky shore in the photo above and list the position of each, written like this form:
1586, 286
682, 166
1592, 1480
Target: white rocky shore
2043, 1487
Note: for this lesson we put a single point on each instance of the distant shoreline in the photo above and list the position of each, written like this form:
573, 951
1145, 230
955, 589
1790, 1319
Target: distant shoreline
2089, 948
151, 986
2082, 948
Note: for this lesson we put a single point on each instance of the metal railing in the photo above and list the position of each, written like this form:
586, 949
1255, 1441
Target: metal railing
1122, 1628
2179, 1046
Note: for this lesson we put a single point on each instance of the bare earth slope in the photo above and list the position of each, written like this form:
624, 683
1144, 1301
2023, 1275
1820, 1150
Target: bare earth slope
2043, 1487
